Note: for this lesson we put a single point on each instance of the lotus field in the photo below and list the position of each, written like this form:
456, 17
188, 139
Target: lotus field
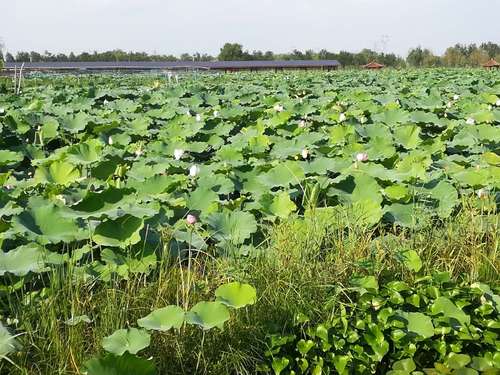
115, 178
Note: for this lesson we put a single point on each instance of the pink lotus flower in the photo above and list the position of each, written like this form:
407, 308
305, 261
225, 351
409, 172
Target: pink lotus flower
362, 156
191, 219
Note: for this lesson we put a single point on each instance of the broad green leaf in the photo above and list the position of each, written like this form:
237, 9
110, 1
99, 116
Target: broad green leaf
8, 343
418, 323
232, 226
236, 295
163, 319
10, 157
208, 315
22, 260
58, 172
130, 340
121, 232
119, 365
443, 305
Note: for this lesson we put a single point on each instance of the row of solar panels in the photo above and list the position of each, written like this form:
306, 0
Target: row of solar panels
177, 65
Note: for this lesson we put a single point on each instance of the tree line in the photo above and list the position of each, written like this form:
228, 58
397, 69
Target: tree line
459, 55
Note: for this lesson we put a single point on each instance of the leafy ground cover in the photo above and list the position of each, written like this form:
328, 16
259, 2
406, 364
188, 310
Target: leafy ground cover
124, 195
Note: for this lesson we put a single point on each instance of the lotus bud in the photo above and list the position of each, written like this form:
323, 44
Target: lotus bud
362, 156
470, 121
105, 102
2, 110
305, 153
498, 103
198, 117
188, 112
302, 123
449, 104
216, 113
178, 153
278, 108
194, 170
110, 141
138, 152
482, 193
191, 219
456, 97
490, 107
342, 117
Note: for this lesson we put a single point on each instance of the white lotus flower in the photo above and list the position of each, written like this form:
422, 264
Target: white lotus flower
2, 110
470, 121
138, 152
305, 153
198, 117
110, 141
498, 103
449, 104
194, 170
178, 153
188, 112
342, 117
278, 108
456, 97
105, 101
216, 113
362, 156
302, 123
490, 107
482, 193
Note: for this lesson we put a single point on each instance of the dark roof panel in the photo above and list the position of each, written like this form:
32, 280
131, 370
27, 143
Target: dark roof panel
153, 65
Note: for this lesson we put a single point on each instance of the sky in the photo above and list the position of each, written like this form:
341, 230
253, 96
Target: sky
175, 27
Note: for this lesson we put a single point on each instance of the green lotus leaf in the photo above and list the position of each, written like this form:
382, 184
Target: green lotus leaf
58, 172
483, 116
46, 223
491, 158
22, 260
208, 315
397, 193
234, 227
10, 157
476, 178
392, 117
279, 205
412, 260
122, 232
97, 204
236, 295
76, 123
85, 152
443, 305
406, 365
284, 174
203, 199
130, 340
418, 323
447, 196
75, 320
457, 361
380, 148
119, 365
424, 117
407, 136
155, 185
405, 215
163, 319
49, 128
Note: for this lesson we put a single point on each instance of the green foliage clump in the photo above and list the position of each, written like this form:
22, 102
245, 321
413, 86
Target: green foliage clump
434, 325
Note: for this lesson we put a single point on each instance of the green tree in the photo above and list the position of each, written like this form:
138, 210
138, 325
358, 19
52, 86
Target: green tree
1, 54
232, 51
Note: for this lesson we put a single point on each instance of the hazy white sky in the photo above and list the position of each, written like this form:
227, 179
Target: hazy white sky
175, 27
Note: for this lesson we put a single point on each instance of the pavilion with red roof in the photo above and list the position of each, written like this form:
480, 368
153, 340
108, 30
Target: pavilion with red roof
491, 64
373, 65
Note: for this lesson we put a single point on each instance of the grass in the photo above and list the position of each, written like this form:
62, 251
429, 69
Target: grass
304, 266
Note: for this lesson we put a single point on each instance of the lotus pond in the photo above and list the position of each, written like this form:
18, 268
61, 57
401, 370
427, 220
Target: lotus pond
107, 175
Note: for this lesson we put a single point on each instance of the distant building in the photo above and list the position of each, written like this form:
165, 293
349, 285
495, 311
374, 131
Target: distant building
373, 65
491, 64
131, 66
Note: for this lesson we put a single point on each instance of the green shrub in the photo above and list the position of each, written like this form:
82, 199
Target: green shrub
434, 325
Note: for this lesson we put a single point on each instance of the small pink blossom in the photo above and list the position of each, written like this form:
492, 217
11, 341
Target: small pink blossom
191, 219
362, 156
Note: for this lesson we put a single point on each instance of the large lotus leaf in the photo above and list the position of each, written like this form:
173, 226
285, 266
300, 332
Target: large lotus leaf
163, 319
407, 136
418, 323
443, 305
122, 232
491, 158
366, 188
236, 295
46, 223
208, 315
414, 166
365, 212
483, 116
232, 226
380, 148
76, 123
119, 365
488, 133
405, 215
130, 340
284, 174
155, 185
49, 128
279, 205
473, 177
58, 172
392, 117
217, 182
85, 152
9, 157
397, 193
203, 199
8, 343
424, 117
139, 126
22, 260
447, 197
97, 204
